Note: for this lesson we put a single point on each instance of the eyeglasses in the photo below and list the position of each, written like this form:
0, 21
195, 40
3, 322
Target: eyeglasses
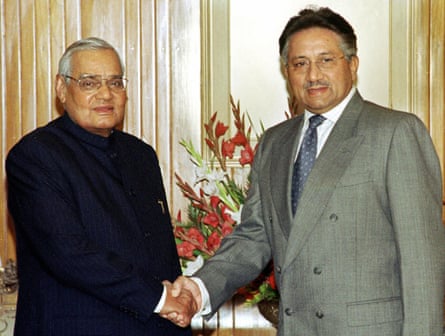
94, 83
301, 65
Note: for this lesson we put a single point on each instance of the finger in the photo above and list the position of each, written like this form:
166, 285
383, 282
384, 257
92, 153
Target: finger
182, 321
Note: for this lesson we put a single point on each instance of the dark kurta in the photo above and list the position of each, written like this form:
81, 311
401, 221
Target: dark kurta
94, 237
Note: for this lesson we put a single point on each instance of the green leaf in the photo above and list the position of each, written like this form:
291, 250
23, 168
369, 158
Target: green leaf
196, 157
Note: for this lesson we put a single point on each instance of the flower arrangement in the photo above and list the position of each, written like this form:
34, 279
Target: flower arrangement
216, 199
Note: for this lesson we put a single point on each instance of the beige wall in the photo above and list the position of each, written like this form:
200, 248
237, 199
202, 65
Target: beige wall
255, 58
400, 47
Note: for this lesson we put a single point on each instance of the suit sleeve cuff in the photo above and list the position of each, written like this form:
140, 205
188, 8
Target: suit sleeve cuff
206, 307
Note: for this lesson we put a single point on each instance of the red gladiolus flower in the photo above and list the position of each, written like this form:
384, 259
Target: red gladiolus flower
178, 230
214, 241
225, 215
214, 201
226, 229
211, 219
239, 139
272, 281
185, 249
209, 143
178, 216
246, 156
247, 293
220, 129
228, 148
196, 235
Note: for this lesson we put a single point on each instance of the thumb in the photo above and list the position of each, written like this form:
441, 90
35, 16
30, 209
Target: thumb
166, 283
177, 287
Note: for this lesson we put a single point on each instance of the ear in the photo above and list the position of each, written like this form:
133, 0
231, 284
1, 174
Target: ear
353, 67
285, 70
61, 88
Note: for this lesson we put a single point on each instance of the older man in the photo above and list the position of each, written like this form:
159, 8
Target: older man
94, 237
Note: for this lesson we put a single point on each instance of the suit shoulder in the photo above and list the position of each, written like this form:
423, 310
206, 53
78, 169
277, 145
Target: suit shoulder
374, 113
135, 146
376, 109
384, 125
40, 135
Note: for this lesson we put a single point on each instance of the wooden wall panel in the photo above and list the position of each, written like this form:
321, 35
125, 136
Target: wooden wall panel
159, 41
11, 102
418, 64
437, 77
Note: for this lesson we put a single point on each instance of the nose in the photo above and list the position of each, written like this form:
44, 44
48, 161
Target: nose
104, 91
314, 73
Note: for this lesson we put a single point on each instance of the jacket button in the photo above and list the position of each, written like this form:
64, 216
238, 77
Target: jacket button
319, 314
289, 311
278, 269
333, 217
317, 270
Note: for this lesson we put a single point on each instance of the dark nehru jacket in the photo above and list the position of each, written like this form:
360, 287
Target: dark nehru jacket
94, 237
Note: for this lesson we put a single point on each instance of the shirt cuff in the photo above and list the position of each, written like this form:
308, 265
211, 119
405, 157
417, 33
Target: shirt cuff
206, 307
161, 301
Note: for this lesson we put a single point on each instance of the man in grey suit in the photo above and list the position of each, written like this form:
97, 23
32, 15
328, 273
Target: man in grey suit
363, 252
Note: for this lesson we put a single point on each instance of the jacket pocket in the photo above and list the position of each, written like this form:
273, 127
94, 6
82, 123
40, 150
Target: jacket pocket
374, 312
355, 179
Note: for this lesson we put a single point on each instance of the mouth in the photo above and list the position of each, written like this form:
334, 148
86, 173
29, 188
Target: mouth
318, 90
106, 109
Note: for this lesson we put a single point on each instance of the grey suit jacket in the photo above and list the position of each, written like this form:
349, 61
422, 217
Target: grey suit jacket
364, 254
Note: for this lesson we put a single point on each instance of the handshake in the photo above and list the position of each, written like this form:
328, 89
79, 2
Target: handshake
183, 301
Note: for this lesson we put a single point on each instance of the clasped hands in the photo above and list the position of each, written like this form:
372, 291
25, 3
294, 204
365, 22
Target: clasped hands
182, 302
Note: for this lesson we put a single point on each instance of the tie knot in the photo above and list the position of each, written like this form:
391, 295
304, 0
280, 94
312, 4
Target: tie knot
316, 120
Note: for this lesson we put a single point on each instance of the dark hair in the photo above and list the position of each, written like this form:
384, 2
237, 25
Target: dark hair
323, 18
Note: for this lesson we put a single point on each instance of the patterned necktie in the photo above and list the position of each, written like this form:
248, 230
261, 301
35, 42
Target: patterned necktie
305, 159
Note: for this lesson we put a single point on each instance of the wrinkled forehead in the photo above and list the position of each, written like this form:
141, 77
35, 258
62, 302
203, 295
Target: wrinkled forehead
103, 62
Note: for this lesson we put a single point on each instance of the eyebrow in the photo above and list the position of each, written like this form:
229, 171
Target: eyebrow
325, 53
87, 75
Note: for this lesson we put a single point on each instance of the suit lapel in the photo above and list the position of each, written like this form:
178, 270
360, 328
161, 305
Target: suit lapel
283, 156
329, 167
